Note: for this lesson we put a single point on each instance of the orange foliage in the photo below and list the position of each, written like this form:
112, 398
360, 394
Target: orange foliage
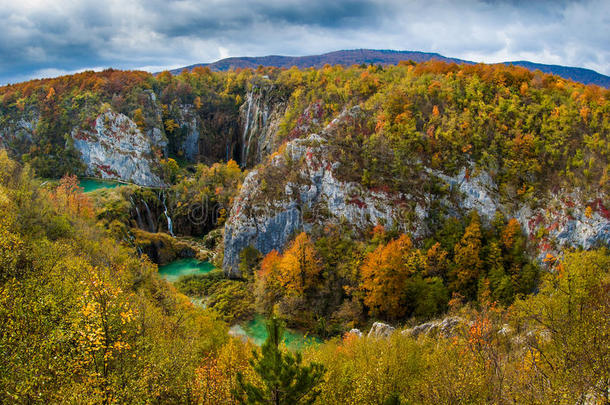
300, 265
69, 196
384, 273
270, 264
435, 111
512, 229
467, 256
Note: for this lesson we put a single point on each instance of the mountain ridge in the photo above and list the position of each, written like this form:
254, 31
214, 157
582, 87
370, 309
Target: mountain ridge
387, 57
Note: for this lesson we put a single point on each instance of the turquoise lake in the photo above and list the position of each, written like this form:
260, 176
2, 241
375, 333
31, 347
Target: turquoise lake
256, 331
89, 185
184, 267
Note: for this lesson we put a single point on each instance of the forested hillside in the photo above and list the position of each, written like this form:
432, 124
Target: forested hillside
385, 57
466, 205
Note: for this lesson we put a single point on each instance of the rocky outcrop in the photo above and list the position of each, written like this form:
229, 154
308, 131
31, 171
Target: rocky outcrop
17, 136
188, 121
308, 191
380, 330
314, 196
115, 148
161, 247
567, 219
447, 327
560, 219
259, 119
356, 332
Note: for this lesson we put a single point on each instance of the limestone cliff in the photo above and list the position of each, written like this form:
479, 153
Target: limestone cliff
115, 148
299, 188
312, 195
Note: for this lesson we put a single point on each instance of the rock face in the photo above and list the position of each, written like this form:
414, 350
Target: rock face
18, 135
314, 196
356, 332
259, 119
565, 222
189, 122
307, 191
115, 148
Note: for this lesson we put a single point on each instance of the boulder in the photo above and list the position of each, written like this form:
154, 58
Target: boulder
356, 332
380, 329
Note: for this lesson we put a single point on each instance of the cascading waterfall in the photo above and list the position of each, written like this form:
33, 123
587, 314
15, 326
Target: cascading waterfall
150, 220
244, 138
138, 216
170, 226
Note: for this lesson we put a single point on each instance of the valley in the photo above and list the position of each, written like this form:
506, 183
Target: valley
428, 230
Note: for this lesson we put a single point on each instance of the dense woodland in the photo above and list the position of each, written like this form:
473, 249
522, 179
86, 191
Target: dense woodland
507, 120
87, 319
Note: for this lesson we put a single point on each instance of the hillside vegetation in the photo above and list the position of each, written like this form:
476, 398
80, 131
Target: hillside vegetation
87, 319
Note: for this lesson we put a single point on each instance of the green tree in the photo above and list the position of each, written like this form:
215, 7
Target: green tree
285, 380
249, 259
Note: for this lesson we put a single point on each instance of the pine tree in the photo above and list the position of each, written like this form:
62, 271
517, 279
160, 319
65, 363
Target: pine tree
285, 380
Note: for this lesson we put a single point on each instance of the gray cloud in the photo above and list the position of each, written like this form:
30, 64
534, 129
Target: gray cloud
46, 37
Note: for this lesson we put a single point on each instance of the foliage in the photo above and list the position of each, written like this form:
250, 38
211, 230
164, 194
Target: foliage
93, 320
231, 299
549, 347
384, 275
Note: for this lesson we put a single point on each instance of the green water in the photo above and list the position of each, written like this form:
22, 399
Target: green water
184, 267
256, 331
90, 185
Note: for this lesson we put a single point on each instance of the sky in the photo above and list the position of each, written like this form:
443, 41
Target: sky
46, 38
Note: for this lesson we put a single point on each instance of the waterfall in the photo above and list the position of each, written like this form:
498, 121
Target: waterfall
244, 137
170, 226
150, 220
138, 216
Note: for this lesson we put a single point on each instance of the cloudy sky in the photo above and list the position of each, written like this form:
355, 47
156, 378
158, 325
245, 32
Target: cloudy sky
43, 38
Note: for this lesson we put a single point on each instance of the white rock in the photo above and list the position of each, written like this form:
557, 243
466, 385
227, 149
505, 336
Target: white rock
117, 149
380, 329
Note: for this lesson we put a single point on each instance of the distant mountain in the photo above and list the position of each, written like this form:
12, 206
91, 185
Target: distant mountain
582, 75
386, 57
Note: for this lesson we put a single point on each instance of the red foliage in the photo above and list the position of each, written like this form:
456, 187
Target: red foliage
598, 206
357, 202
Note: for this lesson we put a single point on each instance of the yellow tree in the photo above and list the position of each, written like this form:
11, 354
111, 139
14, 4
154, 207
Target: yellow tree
467, 258
69, 196
384, 274
300, 265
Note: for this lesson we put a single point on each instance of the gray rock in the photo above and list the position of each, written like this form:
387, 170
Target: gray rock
117, 149
447, 327
380, 329
356, 332
268, 225
189, 121
505, 331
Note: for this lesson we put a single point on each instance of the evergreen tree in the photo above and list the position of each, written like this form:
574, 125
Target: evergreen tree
285, 380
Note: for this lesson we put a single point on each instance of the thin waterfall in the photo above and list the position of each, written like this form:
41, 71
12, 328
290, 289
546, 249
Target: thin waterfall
170, 226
